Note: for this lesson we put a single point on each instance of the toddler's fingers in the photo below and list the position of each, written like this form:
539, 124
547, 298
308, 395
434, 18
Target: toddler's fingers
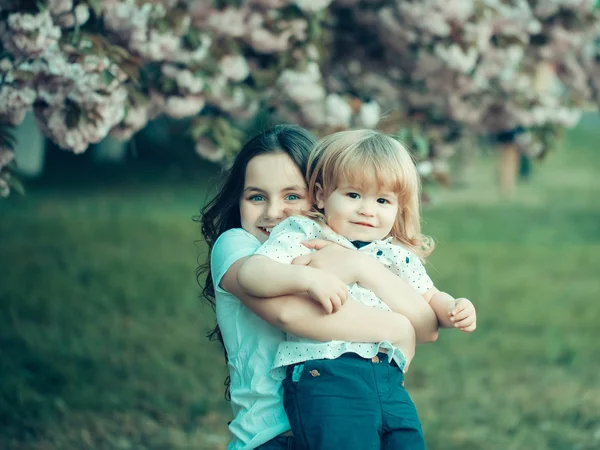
336, 302
327, 305
457, 309
470, 328
343, 298
316, 244
467, 322
462, 315
344, 294
303, 260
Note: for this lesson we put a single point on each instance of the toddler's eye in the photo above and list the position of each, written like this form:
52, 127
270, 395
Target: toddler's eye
383, 201
353, 195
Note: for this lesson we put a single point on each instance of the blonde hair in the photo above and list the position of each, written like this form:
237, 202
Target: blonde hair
367, 157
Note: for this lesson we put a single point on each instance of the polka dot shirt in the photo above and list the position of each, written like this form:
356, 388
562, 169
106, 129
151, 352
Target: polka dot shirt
285, 244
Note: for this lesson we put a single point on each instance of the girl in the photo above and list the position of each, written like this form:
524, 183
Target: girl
264, 184
365, 189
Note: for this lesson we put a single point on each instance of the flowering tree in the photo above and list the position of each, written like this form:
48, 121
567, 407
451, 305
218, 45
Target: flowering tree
517, 71
438, 71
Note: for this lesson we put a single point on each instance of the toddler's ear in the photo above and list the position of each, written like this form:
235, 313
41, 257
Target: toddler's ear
320, 196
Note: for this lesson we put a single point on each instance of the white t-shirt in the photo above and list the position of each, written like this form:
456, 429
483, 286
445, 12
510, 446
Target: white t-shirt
251, 343
285, 244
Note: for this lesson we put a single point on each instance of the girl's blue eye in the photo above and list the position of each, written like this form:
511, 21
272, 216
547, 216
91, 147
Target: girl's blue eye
292, 197
256, 198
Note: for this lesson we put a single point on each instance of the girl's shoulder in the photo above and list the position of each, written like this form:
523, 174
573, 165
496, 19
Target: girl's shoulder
235, 237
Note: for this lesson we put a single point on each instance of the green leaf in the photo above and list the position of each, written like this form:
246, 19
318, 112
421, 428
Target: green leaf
23, 75
421, 146
107, 76
199, 129
163, 26
402, 135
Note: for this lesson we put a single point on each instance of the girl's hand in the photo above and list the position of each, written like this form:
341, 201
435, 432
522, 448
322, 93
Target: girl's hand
463, 315
331, 257
326, 289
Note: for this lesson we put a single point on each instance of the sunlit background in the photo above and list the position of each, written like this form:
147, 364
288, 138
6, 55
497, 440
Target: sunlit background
102, 328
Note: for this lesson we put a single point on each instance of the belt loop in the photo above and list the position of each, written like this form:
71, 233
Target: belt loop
297, 373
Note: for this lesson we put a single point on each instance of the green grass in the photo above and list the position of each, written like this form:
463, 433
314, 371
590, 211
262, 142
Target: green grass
102, 332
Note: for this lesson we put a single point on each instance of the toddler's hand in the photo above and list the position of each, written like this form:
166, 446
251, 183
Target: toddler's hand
327, 289
333, 258
463, 315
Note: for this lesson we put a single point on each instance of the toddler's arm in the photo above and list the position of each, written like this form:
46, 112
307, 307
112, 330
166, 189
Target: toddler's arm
452, 313
355, 267
299, 315
260, 276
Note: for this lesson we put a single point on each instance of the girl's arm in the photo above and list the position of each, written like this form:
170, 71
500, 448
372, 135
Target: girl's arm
299, 315
356, 267
452, 313
260, 276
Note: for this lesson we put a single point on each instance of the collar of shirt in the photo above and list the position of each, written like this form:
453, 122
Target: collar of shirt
332, 236
360, 244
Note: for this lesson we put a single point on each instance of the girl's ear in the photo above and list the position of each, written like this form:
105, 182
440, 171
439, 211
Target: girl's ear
320, 196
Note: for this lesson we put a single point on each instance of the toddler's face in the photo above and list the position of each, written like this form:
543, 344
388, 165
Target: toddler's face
359, 214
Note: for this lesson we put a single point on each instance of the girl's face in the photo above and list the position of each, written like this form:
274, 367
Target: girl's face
274, 188
359, 214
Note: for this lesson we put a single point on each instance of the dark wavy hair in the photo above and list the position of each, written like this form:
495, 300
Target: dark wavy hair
222, 213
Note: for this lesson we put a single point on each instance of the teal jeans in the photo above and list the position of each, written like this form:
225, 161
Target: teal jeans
351, 403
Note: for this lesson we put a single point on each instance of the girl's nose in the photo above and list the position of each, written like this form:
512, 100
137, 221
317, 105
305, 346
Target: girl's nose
275, 210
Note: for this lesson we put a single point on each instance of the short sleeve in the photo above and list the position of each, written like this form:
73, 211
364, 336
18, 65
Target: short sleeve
231, 246
285, 241
414, 272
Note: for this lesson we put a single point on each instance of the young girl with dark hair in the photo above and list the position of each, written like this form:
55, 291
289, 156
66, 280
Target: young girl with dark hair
365, 192
266, 184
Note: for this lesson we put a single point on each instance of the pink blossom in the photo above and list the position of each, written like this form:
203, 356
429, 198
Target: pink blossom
79, 16
180, 107
234, 67
14, 103
135, 120
186, 81
28, 35
312, 6
338, 111
303, 86
229, 22
57, 7
109, 111
370, 114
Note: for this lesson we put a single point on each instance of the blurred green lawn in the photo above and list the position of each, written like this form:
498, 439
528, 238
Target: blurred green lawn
102, 331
